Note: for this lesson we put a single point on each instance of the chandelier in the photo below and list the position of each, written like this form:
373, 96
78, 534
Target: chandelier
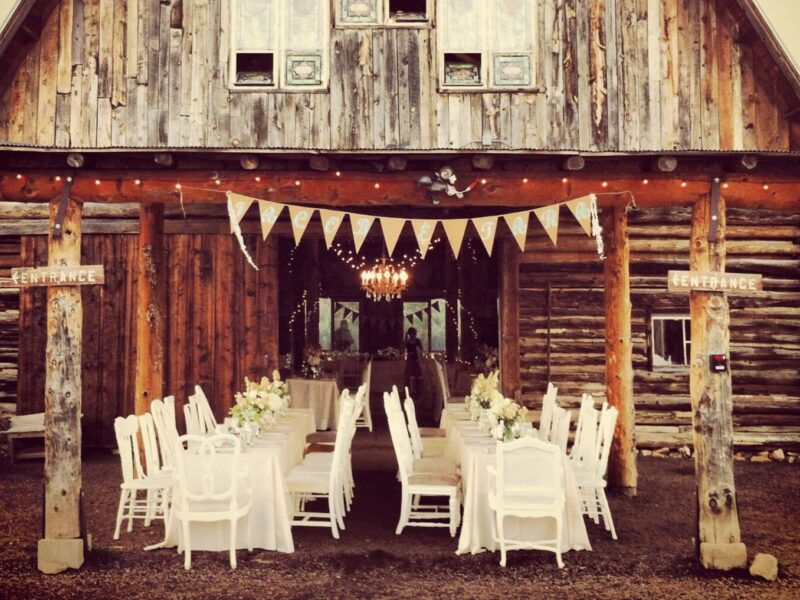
383, 281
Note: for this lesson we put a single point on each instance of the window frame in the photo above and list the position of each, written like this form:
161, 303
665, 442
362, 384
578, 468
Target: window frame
280, 54
686, 321
383, 20
489, 55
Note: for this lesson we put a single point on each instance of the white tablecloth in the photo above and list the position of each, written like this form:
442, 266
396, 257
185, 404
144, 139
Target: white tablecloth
474, 453
266, 462
320, 395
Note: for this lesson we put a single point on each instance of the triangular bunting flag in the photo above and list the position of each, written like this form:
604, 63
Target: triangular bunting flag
391, 231
410, 318
436, 306
487, 229
518, 224
423, 230
331, 219
361, 225
268, 213
455, 228
582, 211
548, 217
300, 216
240, 204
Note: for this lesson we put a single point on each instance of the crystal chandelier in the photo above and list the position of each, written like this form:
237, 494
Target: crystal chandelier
383, 281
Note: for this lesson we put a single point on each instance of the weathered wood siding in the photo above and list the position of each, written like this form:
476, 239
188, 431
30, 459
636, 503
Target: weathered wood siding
9, 319
613, 74
221, 321
562, 324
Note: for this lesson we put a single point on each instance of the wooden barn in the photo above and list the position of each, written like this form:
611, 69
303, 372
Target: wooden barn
125, 126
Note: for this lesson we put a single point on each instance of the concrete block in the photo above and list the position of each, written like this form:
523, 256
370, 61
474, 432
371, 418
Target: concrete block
55, 556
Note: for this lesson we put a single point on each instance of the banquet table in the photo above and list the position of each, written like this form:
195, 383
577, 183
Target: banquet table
475, 451
320, 395
266, 462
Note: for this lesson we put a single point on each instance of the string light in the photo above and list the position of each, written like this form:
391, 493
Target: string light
297, 182
58, 177
19, 175
483, 181
564, 180
725, 185
683, 184
645, 181
97, 182
524, 180
137, 181
258, 178
177, 186
338, 173
766, 186
217, 181
604, 184
377, 185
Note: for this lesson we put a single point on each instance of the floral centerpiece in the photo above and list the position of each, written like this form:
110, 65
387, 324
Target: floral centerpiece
261, 402
389, 353
505, 419
487, 358
484, 390
312, 362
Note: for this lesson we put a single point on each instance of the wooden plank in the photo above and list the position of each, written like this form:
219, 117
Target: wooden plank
554, 76
59, 275
175, 71
150, 308
91, 373
725, 89
104, 123
570, 131
62, 420
225, 298
618, 364
652, 23
105, 56
48, 82
509, 319
118, 49
719, 538
709, 81
268, 314
670, 89
598, 115
64, 61
748, 84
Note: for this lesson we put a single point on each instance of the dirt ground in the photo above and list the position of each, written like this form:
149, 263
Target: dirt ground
653, 557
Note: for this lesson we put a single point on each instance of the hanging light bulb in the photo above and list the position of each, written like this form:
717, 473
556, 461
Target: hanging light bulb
383, 281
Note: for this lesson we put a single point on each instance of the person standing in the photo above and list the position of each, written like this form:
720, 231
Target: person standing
343, 339
413, 347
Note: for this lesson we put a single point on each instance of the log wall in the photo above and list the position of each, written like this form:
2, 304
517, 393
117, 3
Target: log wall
612, 74
220, 319
562, 326
9, 319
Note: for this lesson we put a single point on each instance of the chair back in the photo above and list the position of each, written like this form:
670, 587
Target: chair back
192, 417
126, 430
413, 426
152, 458
561, 420
399, 434
207, 470
166, 429
529, 472
546, 420
208, 423
608, 422
584, 448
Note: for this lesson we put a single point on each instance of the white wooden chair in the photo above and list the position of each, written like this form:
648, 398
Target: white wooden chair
584, 444
517, 489
212, 492
191, 416
419, 447
365, 420
444, 391
306, 483
560, 430
155, 488
207, 420
590, 474
546, 420
163, 412
416, 485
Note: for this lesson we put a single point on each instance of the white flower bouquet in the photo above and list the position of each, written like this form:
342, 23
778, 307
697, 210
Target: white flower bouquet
484, 390
312, 365
261, 402
505, 419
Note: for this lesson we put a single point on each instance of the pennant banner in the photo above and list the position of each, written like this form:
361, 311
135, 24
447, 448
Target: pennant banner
581, 209
455, 228
268, 213
518, 224
391, 231
487, 229
423, 230
331, 220
361, 225
548, 217
300, 216
240, 204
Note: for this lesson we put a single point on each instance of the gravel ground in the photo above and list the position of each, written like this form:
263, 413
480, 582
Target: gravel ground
652, 559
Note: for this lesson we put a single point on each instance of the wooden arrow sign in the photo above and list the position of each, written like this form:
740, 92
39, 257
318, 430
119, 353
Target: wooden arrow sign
55, 276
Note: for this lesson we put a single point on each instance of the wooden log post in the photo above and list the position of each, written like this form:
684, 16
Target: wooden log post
509, 319
619, 348
62, 546
719, 537
150, 307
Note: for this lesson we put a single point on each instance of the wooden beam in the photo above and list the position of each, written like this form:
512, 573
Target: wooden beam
62, 400
150, 307
619, 347
719, 536
509, 319
507, 188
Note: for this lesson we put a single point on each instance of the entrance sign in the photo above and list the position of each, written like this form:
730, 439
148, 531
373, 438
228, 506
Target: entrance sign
55, 276
697, 281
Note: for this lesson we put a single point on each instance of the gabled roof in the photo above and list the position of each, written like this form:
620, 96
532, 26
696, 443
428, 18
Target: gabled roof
14, 20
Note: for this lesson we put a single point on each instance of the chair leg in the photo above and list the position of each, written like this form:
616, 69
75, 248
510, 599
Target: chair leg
454, 516
233, 544
405, 509
133, 498
333, 515
149, 511
122, 498
606, 510
559, 531
187, 547
502, 537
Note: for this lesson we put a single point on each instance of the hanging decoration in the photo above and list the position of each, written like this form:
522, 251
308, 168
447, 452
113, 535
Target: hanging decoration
584, 209
237, 231
383, 281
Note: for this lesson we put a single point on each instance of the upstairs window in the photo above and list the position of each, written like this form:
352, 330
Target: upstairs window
486, 44
383, 13
279, 44
671, 337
